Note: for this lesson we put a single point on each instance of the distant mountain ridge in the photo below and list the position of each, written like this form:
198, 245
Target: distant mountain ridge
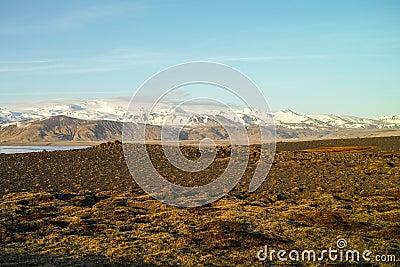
115, 109
65, 129
102, 120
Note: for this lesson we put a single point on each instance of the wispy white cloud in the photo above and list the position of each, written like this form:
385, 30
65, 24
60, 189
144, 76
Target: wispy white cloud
90, 14
21, 67
71, 19
30, 65
126, 58
113, 60
267, 58
18, 62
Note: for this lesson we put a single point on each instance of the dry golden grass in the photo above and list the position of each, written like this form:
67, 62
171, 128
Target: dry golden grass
94, 215
340, 149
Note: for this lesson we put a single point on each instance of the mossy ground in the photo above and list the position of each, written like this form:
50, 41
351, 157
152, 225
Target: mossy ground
91, 218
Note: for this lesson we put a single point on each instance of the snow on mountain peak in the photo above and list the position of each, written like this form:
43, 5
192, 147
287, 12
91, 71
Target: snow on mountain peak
395, 119
115, 109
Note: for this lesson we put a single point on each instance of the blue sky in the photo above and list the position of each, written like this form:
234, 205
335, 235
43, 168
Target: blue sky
309, 56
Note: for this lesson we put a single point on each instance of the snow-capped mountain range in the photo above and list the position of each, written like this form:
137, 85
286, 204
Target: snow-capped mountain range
115, 109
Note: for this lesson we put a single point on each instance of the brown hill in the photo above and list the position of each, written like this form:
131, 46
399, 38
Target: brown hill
61, 128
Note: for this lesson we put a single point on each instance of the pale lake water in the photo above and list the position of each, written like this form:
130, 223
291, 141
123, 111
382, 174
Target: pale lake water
27, 149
